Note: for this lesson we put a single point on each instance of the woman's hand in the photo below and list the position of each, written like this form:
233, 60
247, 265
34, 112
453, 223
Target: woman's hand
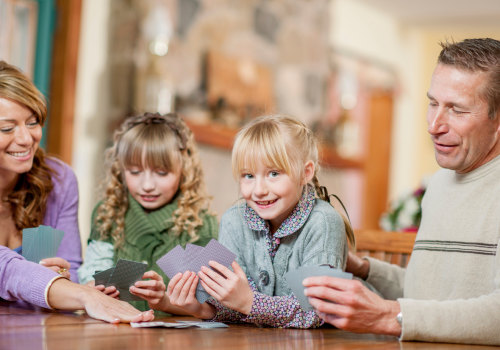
151, 290
66, 295
230, 288
59, 265
181, 293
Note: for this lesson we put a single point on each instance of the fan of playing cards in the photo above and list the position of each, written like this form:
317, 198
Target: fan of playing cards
40, 243
122, 276
192, 259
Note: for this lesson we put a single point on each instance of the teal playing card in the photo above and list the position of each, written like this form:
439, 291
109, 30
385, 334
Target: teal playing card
295, 278
41, 242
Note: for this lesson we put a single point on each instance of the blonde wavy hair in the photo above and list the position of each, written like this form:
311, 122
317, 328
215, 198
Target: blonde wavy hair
284, 143
28, 200
159, 142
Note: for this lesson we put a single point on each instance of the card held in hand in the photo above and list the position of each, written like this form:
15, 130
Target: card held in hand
124, 275
193, 258
41, 242
102, 277
295, 278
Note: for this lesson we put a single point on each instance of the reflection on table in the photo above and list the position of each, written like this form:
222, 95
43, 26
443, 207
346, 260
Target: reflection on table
23, 327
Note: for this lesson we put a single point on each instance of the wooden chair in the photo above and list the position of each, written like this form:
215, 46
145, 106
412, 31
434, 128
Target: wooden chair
393, 247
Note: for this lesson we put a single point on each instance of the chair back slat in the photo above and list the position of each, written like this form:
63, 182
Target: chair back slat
393, 247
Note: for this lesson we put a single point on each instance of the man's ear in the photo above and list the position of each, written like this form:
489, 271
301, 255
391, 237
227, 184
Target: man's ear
309, 169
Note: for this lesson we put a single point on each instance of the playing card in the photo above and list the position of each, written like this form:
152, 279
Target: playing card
213, 251
201, 294
41, 242
154, 324
125, 274
295, 278
192, 249
202, 324
192, 259
102, 277
172, 262
179, 324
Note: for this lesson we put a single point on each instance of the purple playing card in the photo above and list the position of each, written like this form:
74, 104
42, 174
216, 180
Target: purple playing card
192, 249
193, 258
172, 262
216, 252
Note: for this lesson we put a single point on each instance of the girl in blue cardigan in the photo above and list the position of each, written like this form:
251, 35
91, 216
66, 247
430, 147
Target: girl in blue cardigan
280, 226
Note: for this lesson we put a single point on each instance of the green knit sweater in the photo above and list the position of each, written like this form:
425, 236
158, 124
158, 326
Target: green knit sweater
148, 236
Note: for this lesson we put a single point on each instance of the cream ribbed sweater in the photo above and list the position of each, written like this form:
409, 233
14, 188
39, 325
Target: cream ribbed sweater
452, 284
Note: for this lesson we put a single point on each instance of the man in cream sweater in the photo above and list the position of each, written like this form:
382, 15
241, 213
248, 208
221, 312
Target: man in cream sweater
450, 291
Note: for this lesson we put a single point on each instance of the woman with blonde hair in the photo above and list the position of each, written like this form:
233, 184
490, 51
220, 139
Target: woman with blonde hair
35, 189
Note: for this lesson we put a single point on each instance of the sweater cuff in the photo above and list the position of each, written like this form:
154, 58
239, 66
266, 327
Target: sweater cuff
40, 278
46, 294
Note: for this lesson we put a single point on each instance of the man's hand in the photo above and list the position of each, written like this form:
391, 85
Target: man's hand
349, 305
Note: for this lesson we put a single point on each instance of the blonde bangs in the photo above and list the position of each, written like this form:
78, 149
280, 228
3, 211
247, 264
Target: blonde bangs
260, 144
150, 146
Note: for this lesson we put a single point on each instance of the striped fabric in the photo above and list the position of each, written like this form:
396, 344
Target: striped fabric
456, 246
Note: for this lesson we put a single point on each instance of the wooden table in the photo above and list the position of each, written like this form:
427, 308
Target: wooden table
29, 328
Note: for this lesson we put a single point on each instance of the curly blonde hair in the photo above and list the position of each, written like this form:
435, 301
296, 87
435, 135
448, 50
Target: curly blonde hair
285, 143
28, 200
159, 142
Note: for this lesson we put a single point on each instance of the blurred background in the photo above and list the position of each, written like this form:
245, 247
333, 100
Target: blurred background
356, 71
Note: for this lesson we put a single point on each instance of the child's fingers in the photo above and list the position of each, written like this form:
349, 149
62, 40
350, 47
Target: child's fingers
177, 289
100, 287
110, 290
114, 295
157, 285
215, 287
215, 276
209, 290
238, 270
189, 288
152, 275
192, 290
173, 283
186, 288
221, 269
149, 295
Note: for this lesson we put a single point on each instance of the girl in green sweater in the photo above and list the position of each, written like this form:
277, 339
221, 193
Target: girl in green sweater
154, 199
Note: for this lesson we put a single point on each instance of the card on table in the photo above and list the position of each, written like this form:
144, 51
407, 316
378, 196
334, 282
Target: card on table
295, 278
41, 242
179, 324
122, 276
192, 259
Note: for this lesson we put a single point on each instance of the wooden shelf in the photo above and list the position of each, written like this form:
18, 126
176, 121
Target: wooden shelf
221, 136
216, 135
